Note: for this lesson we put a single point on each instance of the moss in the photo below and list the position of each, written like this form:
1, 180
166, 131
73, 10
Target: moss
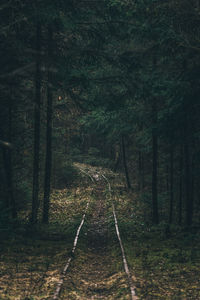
165, 267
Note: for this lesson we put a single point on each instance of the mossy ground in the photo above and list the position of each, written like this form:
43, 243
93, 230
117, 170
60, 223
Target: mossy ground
165, 266
32, 259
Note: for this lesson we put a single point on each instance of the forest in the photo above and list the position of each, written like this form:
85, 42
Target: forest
99, 149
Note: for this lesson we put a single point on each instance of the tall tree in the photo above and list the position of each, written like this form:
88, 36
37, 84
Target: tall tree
48, 161
171, 182
155, 164
125, 163
36, 158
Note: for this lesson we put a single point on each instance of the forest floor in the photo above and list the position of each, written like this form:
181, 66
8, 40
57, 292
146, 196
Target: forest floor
163, 266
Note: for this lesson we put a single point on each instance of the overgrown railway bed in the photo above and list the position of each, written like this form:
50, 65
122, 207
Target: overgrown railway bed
73, 257
96, 277
32, 259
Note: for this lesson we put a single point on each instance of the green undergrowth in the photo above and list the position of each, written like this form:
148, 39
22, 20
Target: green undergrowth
32, 257
164, 260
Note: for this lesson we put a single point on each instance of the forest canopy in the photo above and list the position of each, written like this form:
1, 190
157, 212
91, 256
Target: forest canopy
108, 82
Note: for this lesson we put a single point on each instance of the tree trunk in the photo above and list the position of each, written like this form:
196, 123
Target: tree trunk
117, 157
125, 164
10, 203
189, 203
167, 177
180, 186
143, 172
48, 163
139, 170
7, 160
192, 182
36, 158
171, 183
155, 165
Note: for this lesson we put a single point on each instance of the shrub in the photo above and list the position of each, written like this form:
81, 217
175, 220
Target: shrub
66, 175
93, 152
23, 194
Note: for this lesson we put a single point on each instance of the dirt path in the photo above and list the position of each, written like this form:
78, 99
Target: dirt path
94, 272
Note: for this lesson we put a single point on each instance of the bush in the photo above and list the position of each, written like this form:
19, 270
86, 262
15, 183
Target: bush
65, 175
99, 162
94, 159
23, 194
93, 152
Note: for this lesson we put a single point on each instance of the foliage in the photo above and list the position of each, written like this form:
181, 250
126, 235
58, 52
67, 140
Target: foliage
165, 261
23, 194
65, 174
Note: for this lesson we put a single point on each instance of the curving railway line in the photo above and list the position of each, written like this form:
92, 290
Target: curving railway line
94, 278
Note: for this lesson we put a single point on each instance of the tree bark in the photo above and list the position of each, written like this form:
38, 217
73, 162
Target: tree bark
48, 162
180, 186
7, 160
171, 183
10, 203
36, 158
125, 164
155, 165
189, 200
139, 170
117, 156
143, 172
192, 182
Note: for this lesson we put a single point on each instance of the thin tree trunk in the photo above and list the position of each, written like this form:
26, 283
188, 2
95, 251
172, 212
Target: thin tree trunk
167, 178
189, 203
117, 157
143, 172
192, 187
125, 164
48, 163
180, 187
139, 170
7, 159
155, 166
36, 158
171, 184
10, 169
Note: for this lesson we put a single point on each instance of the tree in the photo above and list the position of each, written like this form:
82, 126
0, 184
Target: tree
48, 162
36, 159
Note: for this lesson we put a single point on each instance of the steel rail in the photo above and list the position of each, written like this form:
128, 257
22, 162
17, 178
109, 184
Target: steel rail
126, 268
63, 274
60, 283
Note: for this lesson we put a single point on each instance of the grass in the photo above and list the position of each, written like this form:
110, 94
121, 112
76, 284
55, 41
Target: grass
32, 258
166, 265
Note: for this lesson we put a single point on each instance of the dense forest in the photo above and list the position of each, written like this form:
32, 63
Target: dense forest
101, 87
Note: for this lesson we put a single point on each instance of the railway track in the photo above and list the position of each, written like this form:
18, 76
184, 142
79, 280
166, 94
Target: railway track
95, 277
